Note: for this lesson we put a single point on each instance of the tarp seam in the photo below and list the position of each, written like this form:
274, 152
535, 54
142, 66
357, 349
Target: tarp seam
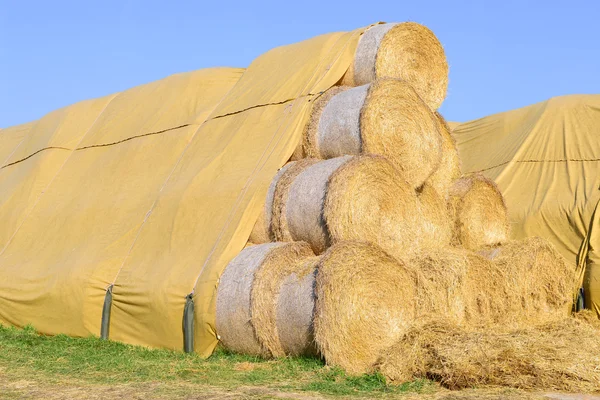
538, 161
153, 133
132, 137
33, 154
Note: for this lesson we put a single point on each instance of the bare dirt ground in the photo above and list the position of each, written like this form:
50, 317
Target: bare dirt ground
17, 388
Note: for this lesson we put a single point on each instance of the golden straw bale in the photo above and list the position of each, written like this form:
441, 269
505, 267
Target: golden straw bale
479, 212
386, 118
283, 306
407, 51
363, 198
234, 319
309, 143
365, 299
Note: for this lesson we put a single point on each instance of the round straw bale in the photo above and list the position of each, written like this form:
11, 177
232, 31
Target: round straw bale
387, 118
370, 200
360, 198
563, 356
310, 145
539, 275
262, 232
407, 51
234, 322
282, 305
303, 218
365, 301
479, 212
279, 222
435, 225
448, 170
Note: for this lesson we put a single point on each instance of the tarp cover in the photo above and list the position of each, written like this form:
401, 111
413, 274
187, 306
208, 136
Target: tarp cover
153, 191
546, 160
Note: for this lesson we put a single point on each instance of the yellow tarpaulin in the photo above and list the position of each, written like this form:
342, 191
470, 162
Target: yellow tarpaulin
546, 160
151, 192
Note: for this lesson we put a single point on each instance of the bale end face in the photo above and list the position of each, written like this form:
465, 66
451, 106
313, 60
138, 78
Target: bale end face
479, 213
411, 52
397, 124
365, 300
368, 199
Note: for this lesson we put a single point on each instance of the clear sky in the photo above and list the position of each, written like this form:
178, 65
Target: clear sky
502, 54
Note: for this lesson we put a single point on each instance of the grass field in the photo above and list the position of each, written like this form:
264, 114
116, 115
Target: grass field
60, 367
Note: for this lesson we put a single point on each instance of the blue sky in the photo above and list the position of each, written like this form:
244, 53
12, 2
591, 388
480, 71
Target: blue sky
502, 54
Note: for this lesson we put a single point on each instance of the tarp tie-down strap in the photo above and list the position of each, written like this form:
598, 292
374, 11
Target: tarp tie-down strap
188, 324
105, 324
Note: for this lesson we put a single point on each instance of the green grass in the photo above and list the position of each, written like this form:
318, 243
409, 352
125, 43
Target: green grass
94, 361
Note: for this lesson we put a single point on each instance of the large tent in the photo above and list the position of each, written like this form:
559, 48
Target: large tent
546, 160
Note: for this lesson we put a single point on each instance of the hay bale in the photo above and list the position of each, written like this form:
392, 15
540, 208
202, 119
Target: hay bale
283, 306
234, 322
479, 212
407, 51
387, 118
361, 198
304, 205
539, 276
262, 232
563, 355
365, 301
309, 144
279, 222
448, 170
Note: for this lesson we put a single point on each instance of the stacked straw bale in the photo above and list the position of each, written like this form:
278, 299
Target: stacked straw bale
359, 198
386, 117
248, 320
366, 299
407, 51
479, 212
562, 355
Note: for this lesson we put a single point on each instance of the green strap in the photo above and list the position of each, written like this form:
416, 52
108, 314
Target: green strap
580, 300
188, 324
105, 325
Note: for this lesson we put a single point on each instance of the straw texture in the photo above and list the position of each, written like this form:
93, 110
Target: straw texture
235, 325
365, 301
479, 212
563, 355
